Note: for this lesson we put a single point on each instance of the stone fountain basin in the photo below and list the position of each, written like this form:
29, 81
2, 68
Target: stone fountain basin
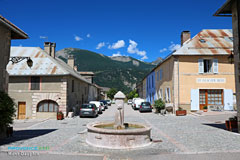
103, 134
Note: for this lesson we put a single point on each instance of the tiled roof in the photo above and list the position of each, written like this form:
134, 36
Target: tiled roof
208, 42
43, 64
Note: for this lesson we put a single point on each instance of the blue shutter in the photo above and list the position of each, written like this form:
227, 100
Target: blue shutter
194, 99
215, 65
228, 99
200, 66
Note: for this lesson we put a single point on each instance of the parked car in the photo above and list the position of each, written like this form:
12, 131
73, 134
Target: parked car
88, 110
105, 104
109, 102
102, 105
137, 103
133, 101
145, 107
129, 101
98, 105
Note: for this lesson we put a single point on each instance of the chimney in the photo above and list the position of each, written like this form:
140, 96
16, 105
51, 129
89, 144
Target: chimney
50, 48
53, 49
47, 47
185, 35
70, 61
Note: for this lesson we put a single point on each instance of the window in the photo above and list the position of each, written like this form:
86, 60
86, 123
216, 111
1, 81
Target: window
160, 94
207, 65
47, 106
157, 75
152, 82
35, 83
214, 97
72, 85
167, 95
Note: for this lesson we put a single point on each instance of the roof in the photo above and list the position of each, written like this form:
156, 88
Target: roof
86, 73
226, 9
215, 42
16, 33
208, 42
43, 64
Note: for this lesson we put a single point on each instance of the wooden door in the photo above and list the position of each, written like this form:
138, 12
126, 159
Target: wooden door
21, 110
202, 98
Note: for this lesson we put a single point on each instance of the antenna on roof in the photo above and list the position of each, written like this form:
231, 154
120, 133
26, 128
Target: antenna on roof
45, 38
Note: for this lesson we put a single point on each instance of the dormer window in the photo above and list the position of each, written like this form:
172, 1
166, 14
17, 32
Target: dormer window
202, 40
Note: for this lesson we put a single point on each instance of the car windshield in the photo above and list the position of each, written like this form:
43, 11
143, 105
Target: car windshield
145, 104
104, 102
87, 106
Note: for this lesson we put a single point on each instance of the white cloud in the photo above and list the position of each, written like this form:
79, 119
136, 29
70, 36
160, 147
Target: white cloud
132, 48
100, 45
77, 38
43, 37
117, 45
116, 54
174, 46
144, 57
163, 50
88, 35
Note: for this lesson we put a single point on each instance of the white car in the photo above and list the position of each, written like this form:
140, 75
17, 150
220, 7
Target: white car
133, 101
137, 103
129, 101
98, 104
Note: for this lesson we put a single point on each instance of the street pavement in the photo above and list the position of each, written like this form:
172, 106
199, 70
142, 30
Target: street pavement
185, 137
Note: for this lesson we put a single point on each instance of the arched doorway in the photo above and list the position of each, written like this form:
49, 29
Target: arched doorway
47, 106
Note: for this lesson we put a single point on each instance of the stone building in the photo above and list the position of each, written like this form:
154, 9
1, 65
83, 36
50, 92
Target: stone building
8, 31
232, 8
198, 74
50, 85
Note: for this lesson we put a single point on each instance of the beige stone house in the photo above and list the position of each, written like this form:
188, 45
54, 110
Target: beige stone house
8, 31
50, 85
199, 73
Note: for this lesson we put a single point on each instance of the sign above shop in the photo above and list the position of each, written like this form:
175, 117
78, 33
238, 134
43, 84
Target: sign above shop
211, 80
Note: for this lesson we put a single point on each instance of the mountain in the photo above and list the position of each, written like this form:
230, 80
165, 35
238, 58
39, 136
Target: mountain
121, 72
157, 61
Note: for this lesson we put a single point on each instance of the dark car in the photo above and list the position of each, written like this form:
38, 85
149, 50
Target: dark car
145, 107
109, 102
88, 110
105, 104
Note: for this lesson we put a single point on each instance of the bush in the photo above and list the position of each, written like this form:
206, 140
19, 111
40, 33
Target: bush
7, 110
159, 105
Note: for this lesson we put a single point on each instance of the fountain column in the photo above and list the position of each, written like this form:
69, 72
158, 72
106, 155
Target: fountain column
119, 114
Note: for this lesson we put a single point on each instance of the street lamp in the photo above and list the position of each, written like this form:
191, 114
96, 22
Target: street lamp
19, 59
231, 58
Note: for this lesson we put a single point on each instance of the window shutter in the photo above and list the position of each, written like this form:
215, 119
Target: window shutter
160, 76
169, 94
200, 65
215, 65
166, 95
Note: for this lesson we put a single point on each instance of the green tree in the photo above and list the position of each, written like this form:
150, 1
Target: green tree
111, 93
7, 110
133, 94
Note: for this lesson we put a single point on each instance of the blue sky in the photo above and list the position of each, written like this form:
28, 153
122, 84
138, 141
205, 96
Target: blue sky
143, 29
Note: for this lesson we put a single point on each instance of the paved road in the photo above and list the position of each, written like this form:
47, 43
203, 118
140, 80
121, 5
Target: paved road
187, 137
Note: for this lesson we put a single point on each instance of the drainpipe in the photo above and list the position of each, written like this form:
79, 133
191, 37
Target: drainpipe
178, 84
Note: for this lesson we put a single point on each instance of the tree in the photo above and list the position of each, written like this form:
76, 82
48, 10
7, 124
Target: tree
111, 93
7, 110
133, 94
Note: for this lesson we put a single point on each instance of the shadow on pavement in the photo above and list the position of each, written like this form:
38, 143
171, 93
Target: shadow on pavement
25, 134
220, 126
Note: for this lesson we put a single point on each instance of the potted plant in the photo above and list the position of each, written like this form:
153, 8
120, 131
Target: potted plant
231, 123
205, 109
181, 112
60, 115
159, 105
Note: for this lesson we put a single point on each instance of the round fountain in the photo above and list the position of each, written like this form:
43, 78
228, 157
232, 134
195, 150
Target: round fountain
117, 134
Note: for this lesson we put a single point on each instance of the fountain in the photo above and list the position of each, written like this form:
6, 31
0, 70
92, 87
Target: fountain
118, 135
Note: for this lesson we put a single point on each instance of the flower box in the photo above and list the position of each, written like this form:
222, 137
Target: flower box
231, 124
181, 113
60, 116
